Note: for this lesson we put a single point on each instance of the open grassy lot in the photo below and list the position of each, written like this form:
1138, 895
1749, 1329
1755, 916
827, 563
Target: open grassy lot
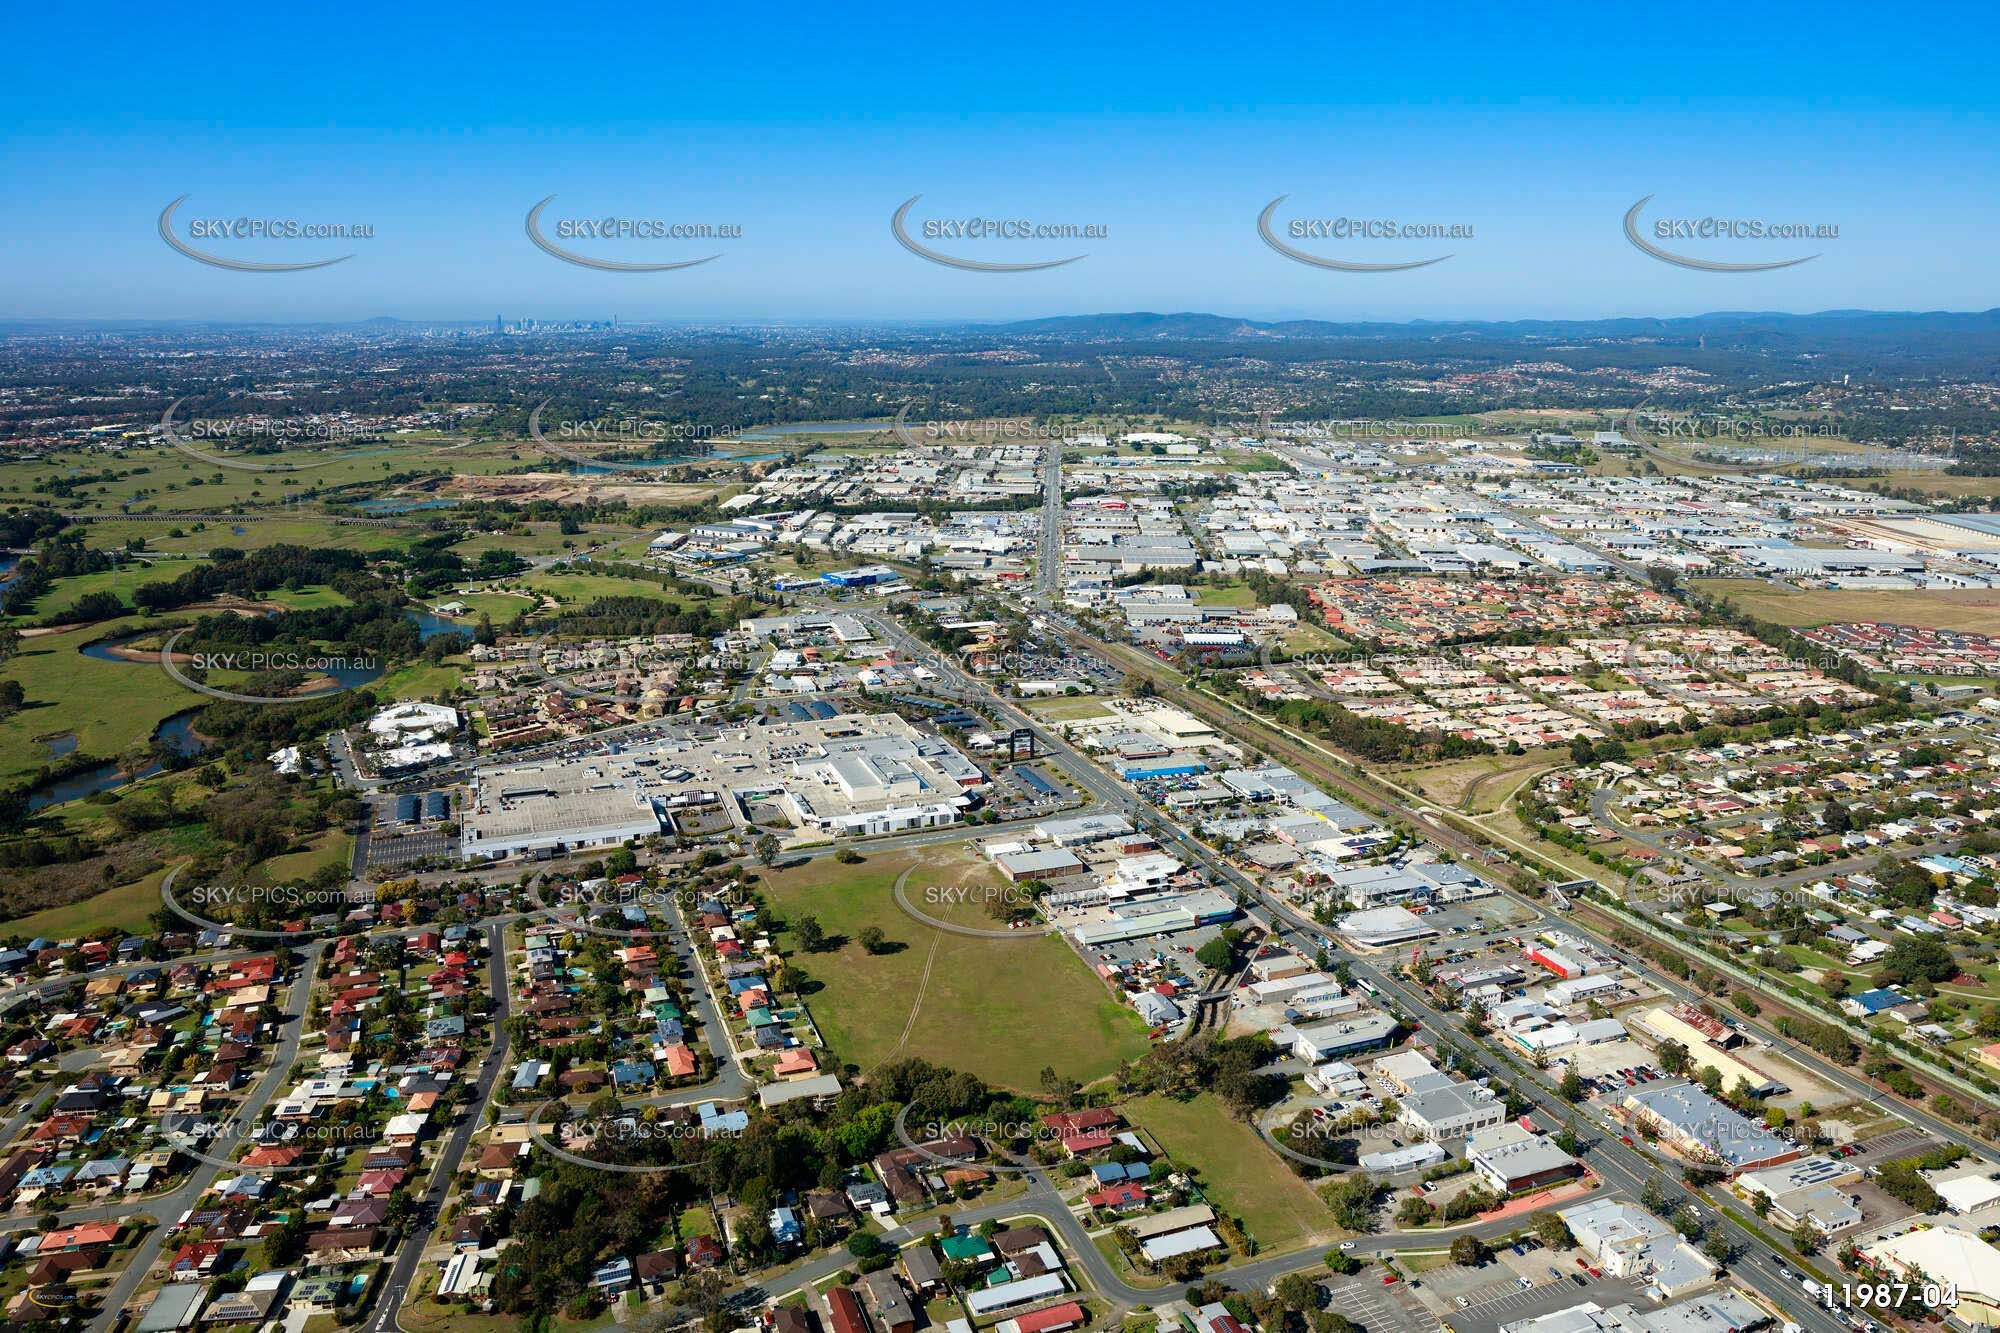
1974, 610
108, 706
1313, 639
124, 908
164, 479
1234, 595
576, 588
1067, 710
200, 536
998, 1008
1932, 483
333, 847
421, 680
1237, 1170
547, 539
1477, 785
120, 582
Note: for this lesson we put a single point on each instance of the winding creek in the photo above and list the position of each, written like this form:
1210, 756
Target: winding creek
177, 732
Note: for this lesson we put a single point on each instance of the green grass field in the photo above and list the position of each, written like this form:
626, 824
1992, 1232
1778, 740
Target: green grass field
200, 536
1233, 595
574, 588
124, 908
1001, 1009
1067, 710
120, 581
1973, 610
420, 680
1239, 1172
109, 706
333, 847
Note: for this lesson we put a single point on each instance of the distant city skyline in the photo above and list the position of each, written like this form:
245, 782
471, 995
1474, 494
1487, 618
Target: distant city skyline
807, 131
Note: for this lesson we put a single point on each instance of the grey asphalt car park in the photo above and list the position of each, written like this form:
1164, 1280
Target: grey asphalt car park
1377, 1308
411, 848
1545, 1297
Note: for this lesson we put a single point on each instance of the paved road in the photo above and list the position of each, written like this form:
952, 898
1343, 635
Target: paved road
1625, 1169
1043, 1202
417, 1230
730, 1083
168, 1207
1373, 791
1048, 573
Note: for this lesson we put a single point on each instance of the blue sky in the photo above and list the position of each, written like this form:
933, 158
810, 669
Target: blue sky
1169, 125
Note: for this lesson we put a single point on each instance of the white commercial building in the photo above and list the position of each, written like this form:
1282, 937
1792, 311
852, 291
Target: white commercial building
1948, 1255
1452, 1111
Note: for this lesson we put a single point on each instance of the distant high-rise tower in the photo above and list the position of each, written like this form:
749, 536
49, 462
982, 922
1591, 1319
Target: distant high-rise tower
499, 324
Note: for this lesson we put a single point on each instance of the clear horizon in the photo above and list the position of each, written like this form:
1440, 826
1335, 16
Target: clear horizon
441, 130
914, 323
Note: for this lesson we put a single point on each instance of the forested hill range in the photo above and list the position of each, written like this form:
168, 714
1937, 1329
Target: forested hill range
1890, 377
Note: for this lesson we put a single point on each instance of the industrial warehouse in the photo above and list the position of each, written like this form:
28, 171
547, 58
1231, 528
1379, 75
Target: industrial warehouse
845, 775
